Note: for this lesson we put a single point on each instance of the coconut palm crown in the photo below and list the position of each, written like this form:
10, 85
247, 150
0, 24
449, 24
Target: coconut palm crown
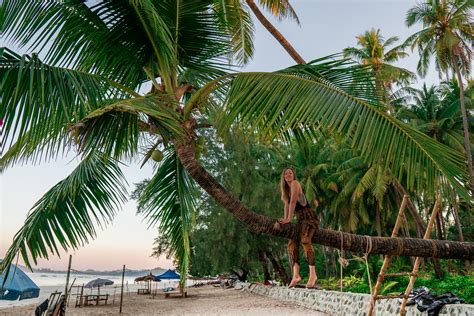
374, 51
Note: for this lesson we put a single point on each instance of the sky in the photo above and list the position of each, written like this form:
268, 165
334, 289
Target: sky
327, 27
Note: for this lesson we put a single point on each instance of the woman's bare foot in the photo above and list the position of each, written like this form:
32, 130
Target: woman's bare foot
311, 283
294, 281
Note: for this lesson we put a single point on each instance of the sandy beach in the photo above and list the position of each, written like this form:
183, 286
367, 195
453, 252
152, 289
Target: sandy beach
207, 300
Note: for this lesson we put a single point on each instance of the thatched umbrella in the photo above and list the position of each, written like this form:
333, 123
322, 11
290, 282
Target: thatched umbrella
147, 278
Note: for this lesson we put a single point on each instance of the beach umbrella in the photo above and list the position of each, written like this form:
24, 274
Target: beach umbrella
98, 283
17, 285
168, 275
148, 277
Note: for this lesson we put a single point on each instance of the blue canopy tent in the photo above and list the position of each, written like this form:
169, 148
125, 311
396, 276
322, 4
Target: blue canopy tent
168, 275
17, 285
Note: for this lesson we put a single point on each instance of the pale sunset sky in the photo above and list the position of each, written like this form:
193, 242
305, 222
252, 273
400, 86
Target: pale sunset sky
327, 26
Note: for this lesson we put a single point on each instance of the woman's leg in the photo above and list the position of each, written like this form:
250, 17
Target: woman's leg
294, 254
307, 233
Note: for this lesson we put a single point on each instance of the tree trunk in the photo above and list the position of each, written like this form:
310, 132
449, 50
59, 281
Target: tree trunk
242, 276
439, 228
326, 263
457, 220
264, 263
355, 243
333, 262
378, 220
276, 34
467, 142
278, 268
420, 226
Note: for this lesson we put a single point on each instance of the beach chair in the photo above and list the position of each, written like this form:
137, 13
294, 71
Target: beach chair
54, 305
42, 308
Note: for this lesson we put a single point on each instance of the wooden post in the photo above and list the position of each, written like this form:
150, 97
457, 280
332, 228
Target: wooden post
67, 283
387, 259
436, 208
121, 291
70, 291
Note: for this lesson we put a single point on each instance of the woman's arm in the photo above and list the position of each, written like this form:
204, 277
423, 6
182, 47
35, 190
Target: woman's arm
295, 190
290, 207
285, 220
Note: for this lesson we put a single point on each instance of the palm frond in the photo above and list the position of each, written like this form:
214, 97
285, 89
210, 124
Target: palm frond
159, 36
355, 79
280, 9
273, 103
114, 128
38, 101
367, 182
73, 33
201, 40
236, 18
66, 215
168, 200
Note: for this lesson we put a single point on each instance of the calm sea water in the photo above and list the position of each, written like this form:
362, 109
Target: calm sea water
50, 282
53, 279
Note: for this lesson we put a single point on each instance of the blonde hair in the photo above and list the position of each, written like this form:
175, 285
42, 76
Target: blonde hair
284, 187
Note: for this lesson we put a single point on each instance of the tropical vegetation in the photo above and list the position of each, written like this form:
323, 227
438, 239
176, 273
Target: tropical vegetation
167, 77
447, 35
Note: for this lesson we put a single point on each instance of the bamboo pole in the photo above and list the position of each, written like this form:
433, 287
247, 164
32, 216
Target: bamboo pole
67, 283
434, 215
121, 290
386, 260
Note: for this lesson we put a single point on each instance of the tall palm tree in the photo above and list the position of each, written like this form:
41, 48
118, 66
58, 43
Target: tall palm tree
435, 111
436, 115
447, 34
84, 99
373, 50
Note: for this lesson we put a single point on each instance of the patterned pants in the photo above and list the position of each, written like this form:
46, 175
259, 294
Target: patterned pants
309, 224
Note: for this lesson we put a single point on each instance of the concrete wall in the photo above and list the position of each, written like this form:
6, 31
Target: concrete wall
336, 303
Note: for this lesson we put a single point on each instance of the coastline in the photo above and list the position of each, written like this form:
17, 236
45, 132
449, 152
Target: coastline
51, 282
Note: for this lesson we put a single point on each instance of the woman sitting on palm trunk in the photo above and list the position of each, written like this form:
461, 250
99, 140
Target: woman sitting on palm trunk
296, 204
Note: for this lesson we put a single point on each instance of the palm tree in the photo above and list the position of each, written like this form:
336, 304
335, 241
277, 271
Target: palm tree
435, 111
374, 51
448, 35
85, 99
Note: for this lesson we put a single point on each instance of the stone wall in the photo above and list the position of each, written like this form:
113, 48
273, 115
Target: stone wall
336, 303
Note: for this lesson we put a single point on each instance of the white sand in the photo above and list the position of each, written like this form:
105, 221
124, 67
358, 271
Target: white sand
207, 300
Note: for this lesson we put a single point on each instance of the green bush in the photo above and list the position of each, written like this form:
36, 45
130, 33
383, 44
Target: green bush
460, 285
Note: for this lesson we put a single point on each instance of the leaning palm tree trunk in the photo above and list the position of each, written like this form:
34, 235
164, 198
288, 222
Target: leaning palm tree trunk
276, 34
355, 243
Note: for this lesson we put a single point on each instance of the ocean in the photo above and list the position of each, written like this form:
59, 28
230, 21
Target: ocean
51, 282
